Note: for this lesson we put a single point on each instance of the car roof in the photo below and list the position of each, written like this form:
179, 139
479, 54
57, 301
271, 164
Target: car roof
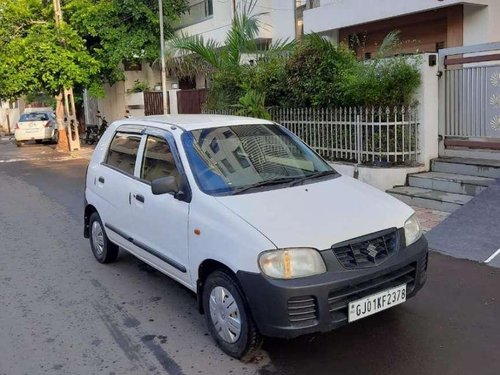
192, 122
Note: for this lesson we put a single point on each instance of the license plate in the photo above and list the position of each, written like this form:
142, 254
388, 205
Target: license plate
370, 305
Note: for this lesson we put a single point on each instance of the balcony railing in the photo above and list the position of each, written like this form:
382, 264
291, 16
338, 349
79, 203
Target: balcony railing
197, 12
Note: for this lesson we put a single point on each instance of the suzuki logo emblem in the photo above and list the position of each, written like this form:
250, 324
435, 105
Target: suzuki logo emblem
372, 250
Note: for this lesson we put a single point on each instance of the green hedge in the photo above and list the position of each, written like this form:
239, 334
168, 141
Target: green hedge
319, 73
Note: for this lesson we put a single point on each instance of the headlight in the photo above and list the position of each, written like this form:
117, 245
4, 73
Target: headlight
412, 230
291, 263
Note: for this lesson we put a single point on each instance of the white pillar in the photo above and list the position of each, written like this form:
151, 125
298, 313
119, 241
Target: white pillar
428, 111
172, 96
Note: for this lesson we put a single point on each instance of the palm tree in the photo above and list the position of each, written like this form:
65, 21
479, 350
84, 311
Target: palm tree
195, 54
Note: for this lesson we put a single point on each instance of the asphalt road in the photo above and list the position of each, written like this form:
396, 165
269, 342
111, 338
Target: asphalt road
63, 313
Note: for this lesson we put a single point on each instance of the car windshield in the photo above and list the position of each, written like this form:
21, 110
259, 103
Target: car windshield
34, 116
242, 158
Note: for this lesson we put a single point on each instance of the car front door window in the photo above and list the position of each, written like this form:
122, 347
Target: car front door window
158, 160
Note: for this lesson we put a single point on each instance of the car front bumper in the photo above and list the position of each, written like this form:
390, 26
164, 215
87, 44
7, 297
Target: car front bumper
290, 308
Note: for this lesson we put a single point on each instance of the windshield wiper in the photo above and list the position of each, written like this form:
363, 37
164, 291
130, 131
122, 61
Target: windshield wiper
275, 181
311, 176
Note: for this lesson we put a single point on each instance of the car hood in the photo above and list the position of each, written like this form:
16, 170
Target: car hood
318, 214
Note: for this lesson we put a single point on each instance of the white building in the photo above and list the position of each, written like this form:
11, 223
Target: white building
425, 25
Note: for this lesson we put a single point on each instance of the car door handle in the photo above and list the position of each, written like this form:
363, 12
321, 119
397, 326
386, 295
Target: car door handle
101, 180
139, 197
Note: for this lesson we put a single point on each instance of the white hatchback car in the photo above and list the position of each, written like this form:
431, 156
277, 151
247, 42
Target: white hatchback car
36, 126
269, 236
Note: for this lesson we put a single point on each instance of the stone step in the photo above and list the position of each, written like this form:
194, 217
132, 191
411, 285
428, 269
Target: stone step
427, 198
467, 166
449, 182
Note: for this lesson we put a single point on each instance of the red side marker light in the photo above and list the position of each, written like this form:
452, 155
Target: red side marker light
197, 231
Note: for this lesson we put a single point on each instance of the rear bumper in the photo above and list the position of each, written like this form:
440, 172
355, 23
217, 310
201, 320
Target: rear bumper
325, 297
33, 134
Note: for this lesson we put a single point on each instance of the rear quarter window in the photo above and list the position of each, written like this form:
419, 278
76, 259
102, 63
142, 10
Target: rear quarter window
122, 152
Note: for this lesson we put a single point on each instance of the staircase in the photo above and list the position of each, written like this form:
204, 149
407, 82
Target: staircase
450, 184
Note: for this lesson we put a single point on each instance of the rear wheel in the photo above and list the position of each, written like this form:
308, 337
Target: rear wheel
228, 316
103, 249
55, 137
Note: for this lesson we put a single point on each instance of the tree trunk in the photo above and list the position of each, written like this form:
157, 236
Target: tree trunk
63, 144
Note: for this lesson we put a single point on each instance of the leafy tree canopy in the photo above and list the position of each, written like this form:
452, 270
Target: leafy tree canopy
45, 59
96, 35
121, 30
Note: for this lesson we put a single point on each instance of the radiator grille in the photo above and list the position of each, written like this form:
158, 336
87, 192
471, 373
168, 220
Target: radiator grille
367, 251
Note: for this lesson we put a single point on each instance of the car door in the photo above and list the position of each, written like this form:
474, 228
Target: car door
113, 180
160, 221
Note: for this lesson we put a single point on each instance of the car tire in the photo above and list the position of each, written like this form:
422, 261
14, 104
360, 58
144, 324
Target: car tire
19, 144
224, 302
38, 141
103, 249
55, 137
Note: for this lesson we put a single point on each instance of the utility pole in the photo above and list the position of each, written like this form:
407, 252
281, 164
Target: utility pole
65, 107
162, 57
234, 9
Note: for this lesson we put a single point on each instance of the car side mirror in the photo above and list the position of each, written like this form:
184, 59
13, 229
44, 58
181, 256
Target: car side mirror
164, 185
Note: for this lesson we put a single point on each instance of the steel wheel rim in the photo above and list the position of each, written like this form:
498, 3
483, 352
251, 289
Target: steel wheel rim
225, 314
97, 237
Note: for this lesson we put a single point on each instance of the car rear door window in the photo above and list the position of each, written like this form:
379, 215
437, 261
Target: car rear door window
158, 160
122, 153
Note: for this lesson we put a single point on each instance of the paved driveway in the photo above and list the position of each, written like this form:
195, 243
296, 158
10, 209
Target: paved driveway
63, 313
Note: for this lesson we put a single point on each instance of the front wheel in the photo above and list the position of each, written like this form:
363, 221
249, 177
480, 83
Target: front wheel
19, 144
103, 249
228, 316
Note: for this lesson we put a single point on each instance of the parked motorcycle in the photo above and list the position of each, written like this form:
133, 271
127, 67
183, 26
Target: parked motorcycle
94, 132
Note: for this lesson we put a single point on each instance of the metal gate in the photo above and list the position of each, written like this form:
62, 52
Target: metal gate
191, 101
469, 89
153, 103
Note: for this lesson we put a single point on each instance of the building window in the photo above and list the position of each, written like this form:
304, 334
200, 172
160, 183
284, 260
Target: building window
214, 146
241, 157
197, 11
228, 165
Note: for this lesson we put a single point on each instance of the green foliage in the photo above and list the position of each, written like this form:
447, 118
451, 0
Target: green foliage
317, 73
86, 50
231, 78
225, 88
44, 58
41, 98
320, 73
17, 16
390, 81
139, 86
121, 30
252, 104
